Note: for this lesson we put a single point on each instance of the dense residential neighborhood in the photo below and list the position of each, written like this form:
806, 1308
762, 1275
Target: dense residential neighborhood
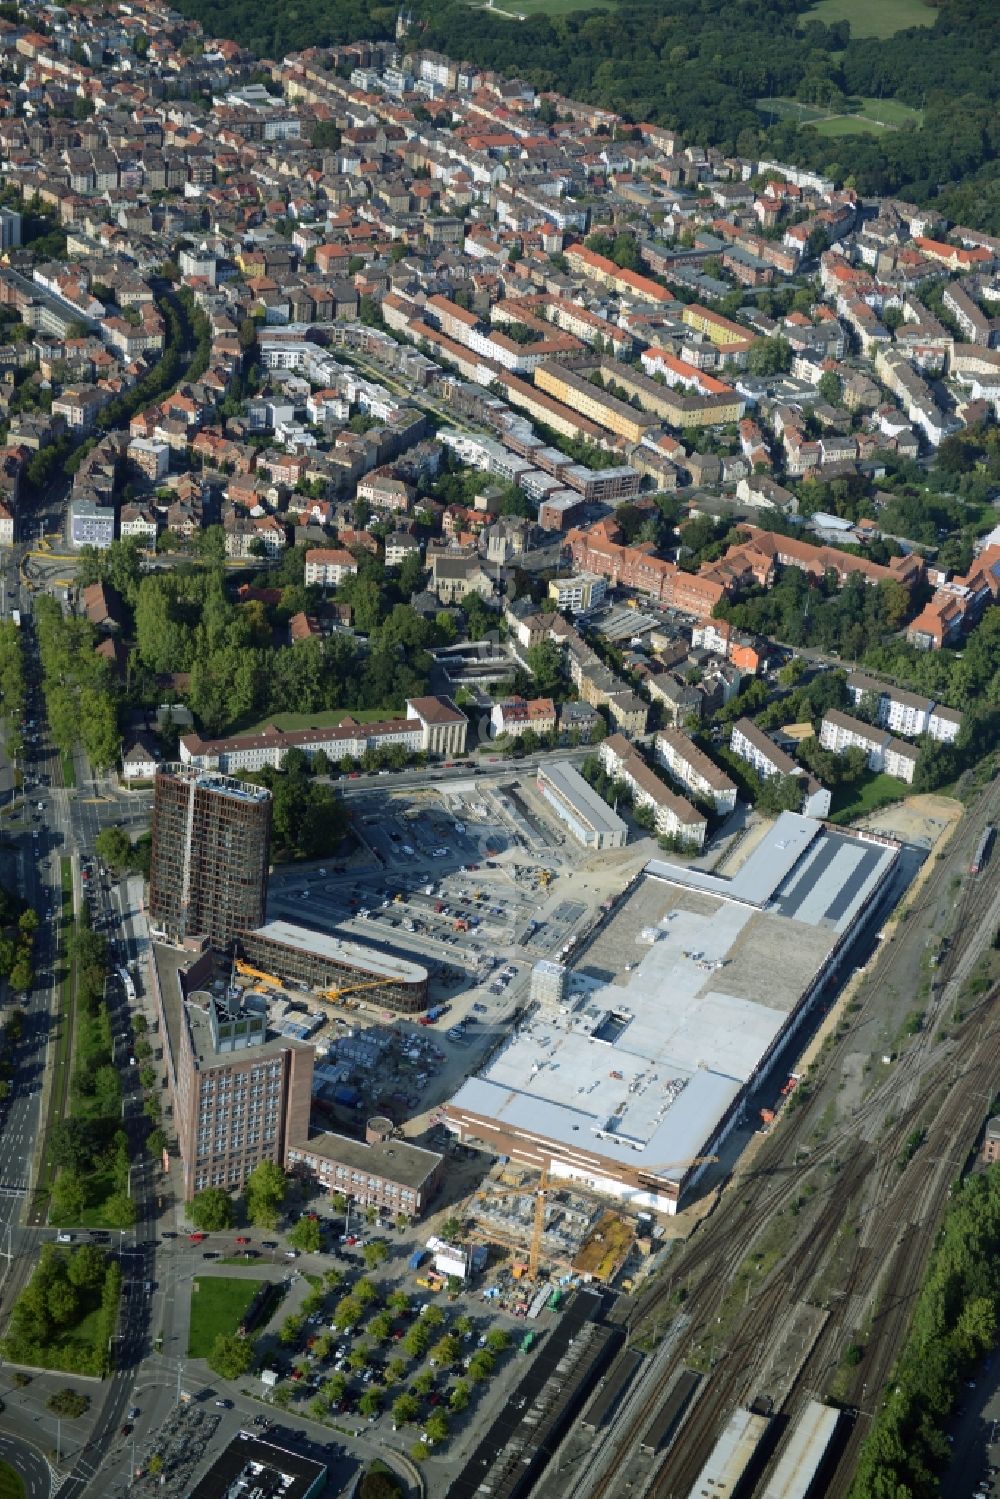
433, 356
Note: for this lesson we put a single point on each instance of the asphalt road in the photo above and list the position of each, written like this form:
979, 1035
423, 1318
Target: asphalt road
28, 1463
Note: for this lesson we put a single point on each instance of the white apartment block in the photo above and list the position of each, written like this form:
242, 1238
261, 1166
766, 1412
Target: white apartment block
327, 567
841, 732
759, 751
905, 712
766, 759
694, 770
675, 816
578, 594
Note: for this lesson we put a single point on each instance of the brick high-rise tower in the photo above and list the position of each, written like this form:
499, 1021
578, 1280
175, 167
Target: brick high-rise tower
211, 844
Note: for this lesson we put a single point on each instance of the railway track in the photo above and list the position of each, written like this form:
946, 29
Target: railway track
926, 1089
899, 1257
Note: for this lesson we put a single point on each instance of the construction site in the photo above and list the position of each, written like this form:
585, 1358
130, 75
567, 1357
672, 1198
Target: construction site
554, 1232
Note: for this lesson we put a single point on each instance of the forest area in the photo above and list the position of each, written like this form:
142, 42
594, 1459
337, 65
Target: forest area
698, 67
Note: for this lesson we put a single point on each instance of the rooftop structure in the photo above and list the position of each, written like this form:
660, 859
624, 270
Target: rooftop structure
252, 1468
628, 1083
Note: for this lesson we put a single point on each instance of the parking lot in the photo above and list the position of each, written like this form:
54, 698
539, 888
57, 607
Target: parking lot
358, 1325
475, 884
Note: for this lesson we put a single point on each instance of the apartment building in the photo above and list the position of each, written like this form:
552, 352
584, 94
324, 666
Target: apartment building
694, 770
579, 593
91, 524
720, 330
957, 604
577, 392
914, 395
598, 550
767, 759
675, 816
516, 715
240, 1094
903, 712
327, 567
150, 457
840, 731
708, 403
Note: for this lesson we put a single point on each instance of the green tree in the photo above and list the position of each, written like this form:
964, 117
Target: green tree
376, 1252
63, 1303
347, 1313
405, 1410
459, 1397
306, 1235
417, 1340
830, 387
770, 356
445, 1351
68, 1198
119, 1210
231, 1356
545, 662
264, 1194
379, 1483
371, 1401
380, 1326
211, 1210
480, 1366
86, 1268
436, 1427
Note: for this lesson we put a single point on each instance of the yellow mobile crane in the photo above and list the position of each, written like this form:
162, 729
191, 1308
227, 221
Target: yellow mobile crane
247, 971
334, 996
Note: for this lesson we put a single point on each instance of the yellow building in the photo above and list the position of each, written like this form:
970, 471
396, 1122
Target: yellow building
716, 327
577, 392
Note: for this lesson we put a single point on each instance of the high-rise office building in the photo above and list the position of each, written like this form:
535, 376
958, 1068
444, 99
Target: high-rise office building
211, 842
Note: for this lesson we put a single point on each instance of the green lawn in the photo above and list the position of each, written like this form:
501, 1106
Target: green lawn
217, 1304
68, 769
873, 17
856, 798
327, 720
11, 1485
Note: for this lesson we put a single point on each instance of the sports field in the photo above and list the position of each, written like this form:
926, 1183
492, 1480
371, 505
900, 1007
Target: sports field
862, 117
873, 17
521, 10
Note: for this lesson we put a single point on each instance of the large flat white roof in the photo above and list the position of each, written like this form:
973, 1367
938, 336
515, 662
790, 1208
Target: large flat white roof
643, 1069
